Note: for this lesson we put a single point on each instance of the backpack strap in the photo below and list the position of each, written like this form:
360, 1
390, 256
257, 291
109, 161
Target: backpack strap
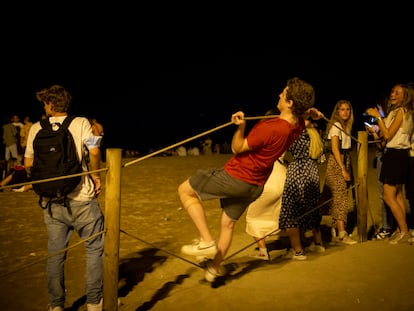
45, 123
67, 121
48, 204
42, 204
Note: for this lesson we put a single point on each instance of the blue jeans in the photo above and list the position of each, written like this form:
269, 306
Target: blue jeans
87, 219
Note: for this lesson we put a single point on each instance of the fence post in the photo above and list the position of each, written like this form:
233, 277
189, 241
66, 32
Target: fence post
112, 228
362, 152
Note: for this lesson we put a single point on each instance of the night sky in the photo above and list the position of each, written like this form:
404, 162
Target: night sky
150, 96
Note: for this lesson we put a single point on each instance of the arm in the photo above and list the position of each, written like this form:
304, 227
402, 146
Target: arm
92, 143
374, 131
387, 132
28, 164
338, 157
239, 143
95, 164
314, 113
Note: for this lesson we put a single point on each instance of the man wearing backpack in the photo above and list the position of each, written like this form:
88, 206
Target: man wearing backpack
79, 210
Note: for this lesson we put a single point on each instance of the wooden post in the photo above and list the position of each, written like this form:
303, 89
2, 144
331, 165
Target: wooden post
362, 193
112, 227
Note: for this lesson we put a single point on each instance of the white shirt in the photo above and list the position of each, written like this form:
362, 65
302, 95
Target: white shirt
343, 138
401, 139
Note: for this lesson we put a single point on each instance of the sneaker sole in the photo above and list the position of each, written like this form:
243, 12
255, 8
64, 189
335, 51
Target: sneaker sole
265, 258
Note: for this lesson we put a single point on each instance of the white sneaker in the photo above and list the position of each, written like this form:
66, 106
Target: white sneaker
21, 189
401, 238
259, 255
411, 239
291, 254
200, 248
95, 306
315, 248
346, 239
211, 274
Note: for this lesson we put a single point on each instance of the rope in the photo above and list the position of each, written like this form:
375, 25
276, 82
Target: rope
176, 144
342, 130
278, 230
105, 169
163, 250
54, 178
148, 156
243, 248
191, 139
52, 254
310, 211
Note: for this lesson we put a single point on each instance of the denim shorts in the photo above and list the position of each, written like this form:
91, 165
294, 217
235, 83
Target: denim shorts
234, 195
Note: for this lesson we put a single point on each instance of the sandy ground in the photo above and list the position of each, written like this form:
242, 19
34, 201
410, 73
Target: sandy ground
154, 275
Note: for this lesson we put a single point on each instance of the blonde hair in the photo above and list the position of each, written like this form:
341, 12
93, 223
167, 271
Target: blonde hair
346, 125
316, 143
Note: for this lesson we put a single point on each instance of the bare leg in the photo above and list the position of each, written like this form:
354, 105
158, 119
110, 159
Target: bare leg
294, 238
340, 225
393, 196
317, 236
224, 240
192, 204
6, 180
261, 243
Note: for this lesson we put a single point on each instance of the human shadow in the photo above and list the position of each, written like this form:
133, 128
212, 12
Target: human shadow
132, 270
241, 267
162, 292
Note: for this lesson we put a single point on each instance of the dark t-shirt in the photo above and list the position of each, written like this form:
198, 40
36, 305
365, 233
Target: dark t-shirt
19, 175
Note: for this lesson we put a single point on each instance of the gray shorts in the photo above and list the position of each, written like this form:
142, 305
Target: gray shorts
235, 195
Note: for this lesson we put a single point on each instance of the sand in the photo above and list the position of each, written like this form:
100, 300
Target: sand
154, 275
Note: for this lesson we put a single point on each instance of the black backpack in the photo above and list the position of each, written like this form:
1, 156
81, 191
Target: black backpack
54, 156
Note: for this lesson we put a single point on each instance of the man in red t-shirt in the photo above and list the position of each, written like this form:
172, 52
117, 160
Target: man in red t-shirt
242, 178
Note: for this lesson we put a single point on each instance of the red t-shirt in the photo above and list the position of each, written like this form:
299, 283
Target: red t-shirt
268, 140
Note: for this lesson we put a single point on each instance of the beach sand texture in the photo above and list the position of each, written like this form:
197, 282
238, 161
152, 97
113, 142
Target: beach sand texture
154, 275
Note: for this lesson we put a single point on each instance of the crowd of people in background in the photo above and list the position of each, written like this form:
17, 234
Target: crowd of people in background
273, 173
394, 150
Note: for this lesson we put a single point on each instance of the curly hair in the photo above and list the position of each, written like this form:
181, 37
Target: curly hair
57, 95
302, 94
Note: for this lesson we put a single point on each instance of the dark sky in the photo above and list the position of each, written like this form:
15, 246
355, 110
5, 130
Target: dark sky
157, 95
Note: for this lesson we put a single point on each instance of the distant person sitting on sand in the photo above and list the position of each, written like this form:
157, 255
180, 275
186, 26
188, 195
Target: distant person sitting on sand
16, 175
181, 151
207, 146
